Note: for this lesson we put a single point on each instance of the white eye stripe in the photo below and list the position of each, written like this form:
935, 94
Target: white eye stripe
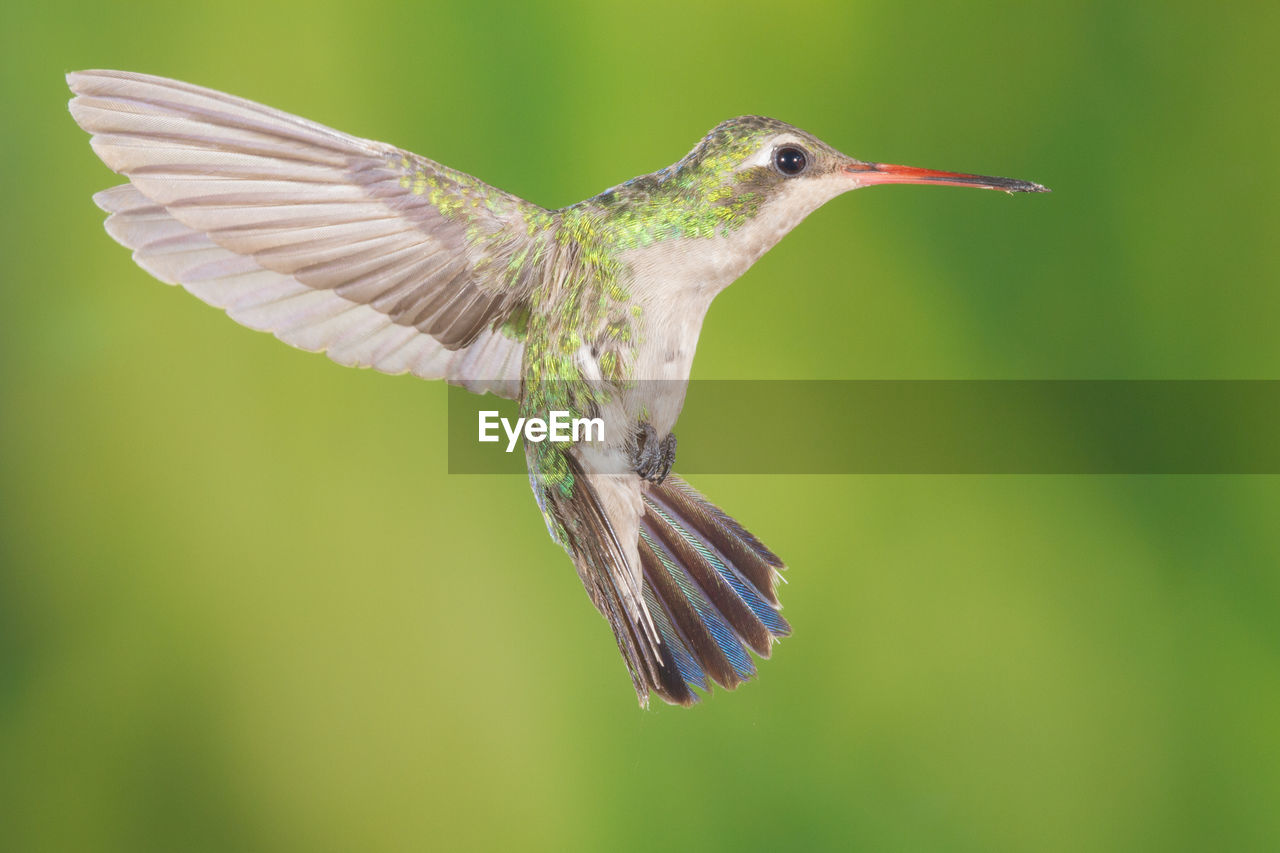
764, 156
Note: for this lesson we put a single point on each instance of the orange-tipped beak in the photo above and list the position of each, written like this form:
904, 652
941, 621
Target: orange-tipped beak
869, 174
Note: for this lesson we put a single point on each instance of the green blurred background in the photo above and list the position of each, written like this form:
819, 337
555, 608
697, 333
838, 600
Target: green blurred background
242, 606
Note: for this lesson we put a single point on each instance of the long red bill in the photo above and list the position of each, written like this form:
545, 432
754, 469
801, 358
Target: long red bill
869, 174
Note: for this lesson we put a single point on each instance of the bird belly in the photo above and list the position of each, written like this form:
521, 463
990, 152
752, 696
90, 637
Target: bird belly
667, 341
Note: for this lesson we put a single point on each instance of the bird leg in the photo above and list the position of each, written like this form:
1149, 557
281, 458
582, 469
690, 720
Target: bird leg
653, 458
667, 454
645, 460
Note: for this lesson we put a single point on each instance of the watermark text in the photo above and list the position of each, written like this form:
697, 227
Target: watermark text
558, 427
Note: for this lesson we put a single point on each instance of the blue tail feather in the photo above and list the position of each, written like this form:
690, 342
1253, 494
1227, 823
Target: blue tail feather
709, 586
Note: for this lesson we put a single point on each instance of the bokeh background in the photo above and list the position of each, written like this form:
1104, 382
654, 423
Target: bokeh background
243, 607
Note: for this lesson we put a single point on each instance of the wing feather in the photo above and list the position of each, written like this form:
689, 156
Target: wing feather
351, 332
332, 242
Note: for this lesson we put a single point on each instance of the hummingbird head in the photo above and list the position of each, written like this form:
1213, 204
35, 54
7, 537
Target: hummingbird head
736, 194
761, 167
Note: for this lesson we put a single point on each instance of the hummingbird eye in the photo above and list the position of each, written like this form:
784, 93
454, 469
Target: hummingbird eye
790, 160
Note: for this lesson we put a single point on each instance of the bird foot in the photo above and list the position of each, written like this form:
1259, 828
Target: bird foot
653, 458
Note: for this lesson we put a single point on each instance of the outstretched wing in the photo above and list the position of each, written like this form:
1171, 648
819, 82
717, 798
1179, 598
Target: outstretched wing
335, 243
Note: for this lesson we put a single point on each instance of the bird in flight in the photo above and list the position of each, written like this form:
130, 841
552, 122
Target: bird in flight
381, 258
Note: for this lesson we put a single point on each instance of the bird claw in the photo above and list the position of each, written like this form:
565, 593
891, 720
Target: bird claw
653, 458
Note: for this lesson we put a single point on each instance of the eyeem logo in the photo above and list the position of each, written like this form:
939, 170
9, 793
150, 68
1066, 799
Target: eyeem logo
559, 428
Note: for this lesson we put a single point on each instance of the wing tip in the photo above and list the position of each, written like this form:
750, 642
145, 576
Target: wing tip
85, 77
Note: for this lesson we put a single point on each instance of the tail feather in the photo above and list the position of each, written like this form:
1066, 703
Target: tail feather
756, 563
688, 592
705, 632
678, 668
710, 587
751, 616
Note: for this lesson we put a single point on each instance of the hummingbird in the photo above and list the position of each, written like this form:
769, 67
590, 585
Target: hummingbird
382, 258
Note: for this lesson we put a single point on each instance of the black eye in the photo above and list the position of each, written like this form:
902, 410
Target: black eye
790, 160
